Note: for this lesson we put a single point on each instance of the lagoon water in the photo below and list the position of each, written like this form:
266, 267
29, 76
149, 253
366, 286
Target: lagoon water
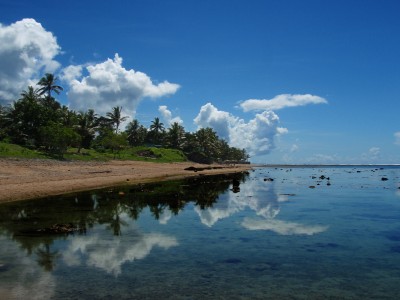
310, 233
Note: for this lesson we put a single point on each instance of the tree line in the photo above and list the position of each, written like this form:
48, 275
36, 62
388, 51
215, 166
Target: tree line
37, 120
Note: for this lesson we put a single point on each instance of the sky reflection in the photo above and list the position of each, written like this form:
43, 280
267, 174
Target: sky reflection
260, 197
109, 254
21, 276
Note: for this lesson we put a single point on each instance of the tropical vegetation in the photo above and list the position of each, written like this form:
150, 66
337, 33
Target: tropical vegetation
38, 123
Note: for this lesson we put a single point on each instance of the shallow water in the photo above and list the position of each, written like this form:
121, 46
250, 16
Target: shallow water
203, 239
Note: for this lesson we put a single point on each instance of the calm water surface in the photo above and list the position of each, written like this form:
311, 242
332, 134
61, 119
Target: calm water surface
299, 236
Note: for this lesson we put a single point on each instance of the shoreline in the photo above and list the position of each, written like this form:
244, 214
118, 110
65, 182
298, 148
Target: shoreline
24, 179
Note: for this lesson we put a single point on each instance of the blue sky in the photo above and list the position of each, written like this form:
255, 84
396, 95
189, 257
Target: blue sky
325, 74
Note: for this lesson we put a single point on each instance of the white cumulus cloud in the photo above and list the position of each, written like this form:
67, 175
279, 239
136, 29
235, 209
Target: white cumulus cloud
26, 51
167, 115
281, 101
108, 84
373, 155
256, 136
397, 138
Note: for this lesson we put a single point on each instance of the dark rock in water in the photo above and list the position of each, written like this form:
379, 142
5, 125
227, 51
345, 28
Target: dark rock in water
322, 177
312, 186
268, 179
384, 179
328, 183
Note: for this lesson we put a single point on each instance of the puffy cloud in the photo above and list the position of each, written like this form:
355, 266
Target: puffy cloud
323, 159
220, 121
374, 151
281, 101
373, 154
26, 50
71, 72
397, 138
108, 84
256, 136
167, 115
294, 148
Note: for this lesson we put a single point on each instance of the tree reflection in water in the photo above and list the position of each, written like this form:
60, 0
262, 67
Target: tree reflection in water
28, 222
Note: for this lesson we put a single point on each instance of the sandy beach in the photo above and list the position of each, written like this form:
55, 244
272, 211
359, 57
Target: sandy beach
22, 179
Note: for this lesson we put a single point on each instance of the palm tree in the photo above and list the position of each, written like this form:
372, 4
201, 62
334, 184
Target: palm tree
67, 117
48, 84
30, 95
4, 120
26, 116
115, 117
86, 128
176, 136
156, 128
136, 133
208, 142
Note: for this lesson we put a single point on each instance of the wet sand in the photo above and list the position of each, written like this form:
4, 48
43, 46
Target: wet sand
22, 179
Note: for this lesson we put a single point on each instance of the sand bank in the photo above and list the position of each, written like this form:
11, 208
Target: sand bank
27, 179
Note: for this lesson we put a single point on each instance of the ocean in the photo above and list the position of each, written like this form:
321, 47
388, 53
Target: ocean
304, 232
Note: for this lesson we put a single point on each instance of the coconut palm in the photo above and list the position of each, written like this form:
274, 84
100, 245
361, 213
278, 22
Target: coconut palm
86, 128
176, 136
115, 117
208, 142
26, 116
30, 95
4, 121
48, 84
156, 129
136, 133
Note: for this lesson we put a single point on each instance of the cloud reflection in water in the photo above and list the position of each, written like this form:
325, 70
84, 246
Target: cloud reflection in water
32, 281
282, 227
109, 254
261, 198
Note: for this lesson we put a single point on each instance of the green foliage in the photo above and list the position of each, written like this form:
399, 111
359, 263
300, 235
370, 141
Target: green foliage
115, 117
136, 133
38, 121
56, 138
156, 131
48, 84
113, 141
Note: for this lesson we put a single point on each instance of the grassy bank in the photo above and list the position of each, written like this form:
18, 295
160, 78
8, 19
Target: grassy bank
131, 153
